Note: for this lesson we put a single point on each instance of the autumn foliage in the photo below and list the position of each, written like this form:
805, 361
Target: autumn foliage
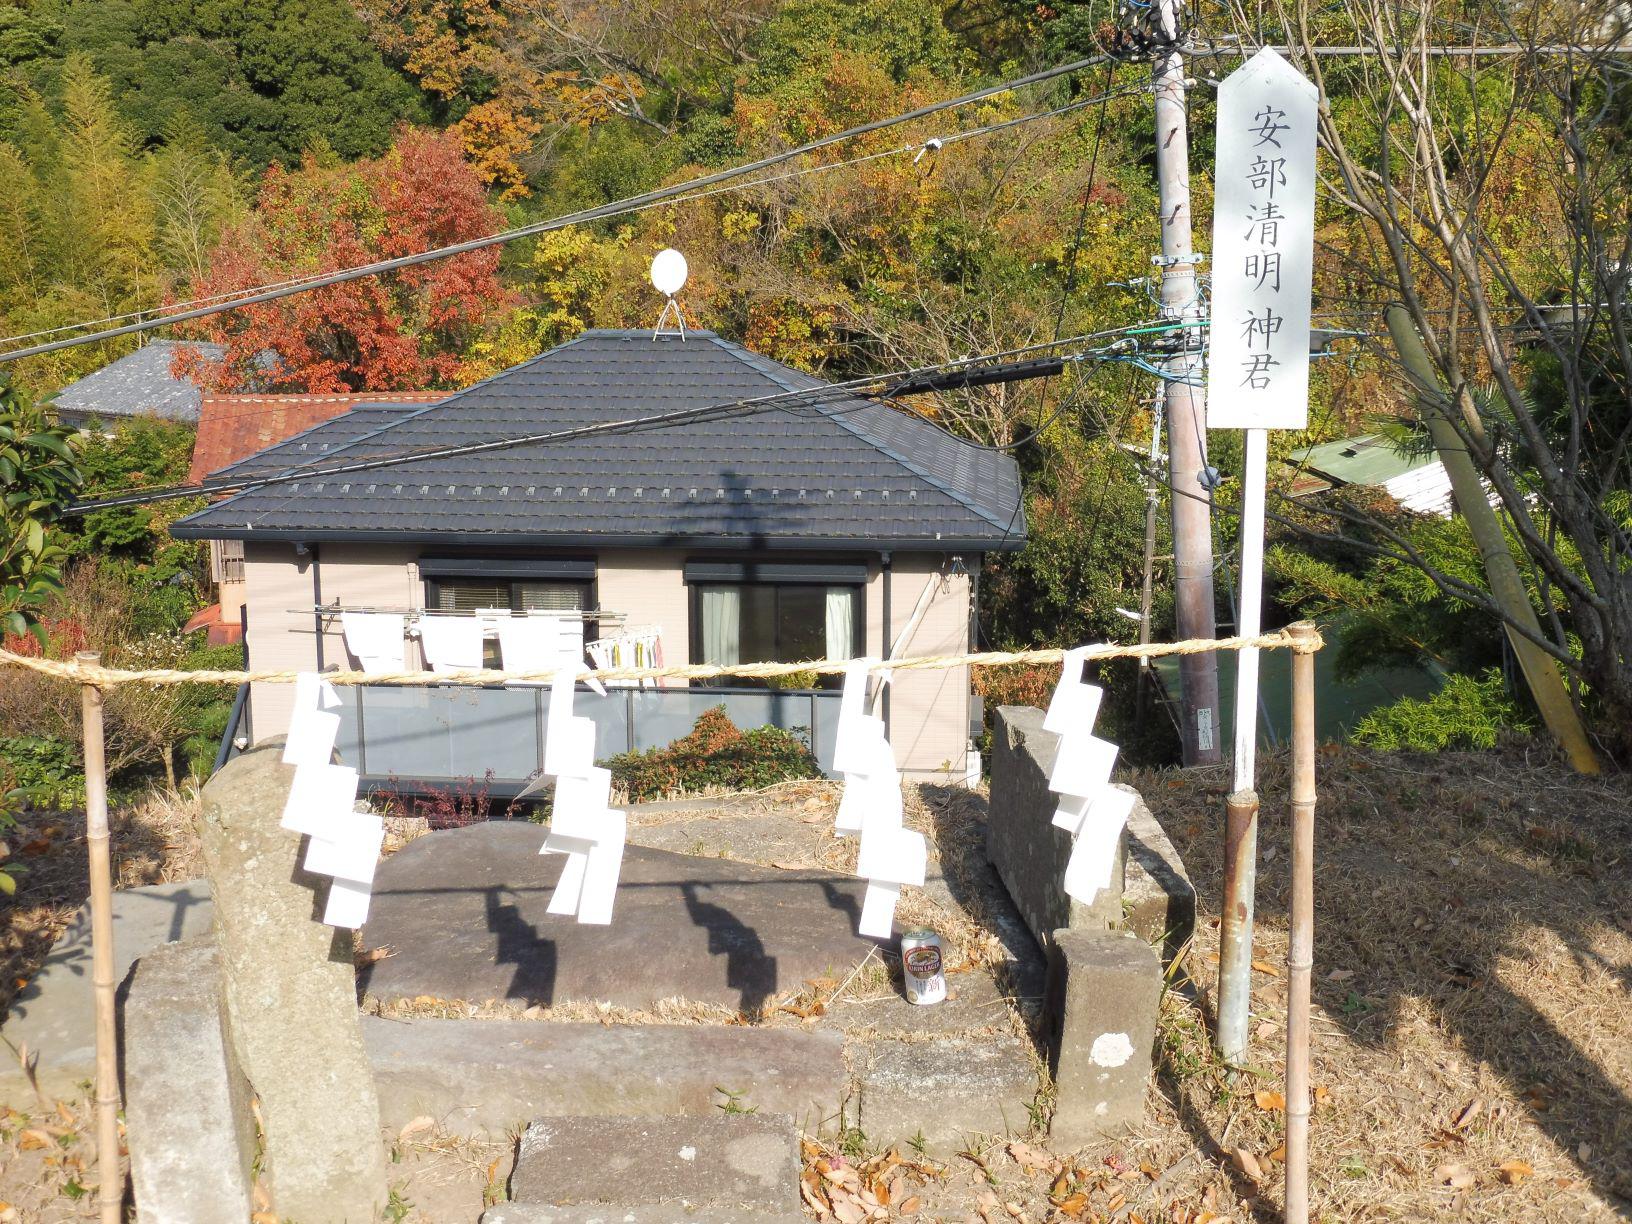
402, 330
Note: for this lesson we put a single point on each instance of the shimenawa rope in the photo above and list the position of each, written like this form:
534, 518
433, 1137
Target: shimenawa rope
109, 677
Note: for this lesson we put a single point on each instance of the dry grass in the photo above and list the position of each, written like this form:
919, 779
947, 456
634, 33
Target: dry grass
1473, 1013
154, 841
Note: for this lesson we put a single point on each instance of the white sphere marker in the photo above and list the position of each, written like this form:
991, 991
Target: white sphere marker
669, 272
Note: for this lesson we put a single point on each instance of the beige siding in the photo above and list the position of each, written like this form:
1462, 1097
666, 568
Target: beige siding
648, 587
929, 710
278, 583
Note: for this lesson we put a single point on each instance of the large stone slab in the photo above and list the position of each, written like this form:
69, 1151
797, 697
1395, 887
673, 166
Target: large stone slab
1158, 898
726, 1161
290, 995
490, 1077
187, 1105
1028, 851
944, 1094
54, 1017
464, 912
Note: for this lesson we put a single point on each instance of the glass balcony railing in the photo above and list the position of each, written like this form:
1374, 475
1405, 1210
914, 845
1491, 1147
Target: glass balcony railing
399, 738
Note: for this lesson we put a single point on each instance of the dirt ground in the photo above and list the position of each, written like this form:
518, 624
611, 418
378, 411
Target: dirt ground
1473, 1022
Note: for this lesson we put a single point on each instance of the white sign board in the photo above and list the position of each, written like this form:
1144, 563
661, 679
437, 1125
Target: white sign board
1263, 248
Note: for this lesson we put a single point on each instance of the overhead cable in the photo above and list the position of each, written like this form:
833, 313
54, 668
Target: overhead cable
661, 195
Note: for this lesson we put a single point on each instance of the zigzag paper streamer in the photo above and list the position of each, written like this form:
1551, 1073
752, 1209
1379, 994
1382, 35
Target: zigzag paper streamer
342, 843
1090, 809
890, 854
583, 825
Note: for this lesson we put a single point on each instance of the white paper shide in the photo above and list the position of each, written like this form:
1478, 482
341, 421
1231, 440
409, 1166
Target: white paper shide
583, 825
342, 843
1091, 809
890, 854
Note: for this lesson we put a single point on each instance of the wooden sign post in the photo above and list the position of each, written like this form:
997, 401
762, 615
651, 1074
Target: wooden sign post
1257, 380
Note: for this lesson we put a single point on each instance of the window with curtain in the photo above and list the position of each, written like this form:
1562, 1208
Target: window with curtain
750, 622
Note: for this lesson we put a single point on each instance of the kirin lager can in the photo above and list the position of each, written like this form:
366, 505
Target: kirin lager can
921, 966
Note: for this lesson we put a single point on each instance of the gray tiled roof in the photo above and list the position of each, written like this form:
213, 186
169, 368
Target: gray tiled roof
843, 472
138, 384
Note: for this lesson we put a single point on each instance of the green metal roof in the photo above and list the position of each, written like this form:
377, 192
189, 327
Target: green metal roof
1370, 459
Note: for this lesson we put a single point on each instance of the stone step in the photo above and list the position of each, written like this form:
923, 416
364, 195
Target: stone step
491, 1076
537, 1213
737, 1166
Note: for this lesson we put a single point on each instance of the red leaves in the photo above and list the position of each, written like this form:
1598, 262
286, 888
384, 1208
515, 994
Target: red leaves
401, 330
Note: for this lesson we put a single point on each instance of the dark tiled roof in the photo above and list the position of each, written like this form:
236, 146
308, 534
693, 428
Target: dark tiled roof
844, 471
138, 384
234, 427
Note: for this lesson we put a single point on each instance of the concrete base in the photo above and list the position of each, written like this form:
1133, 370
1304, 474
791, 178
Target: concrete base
54, 1015
535, 1213
726, 1162
1104, 991
944, 1093
489, 1077
187, 1105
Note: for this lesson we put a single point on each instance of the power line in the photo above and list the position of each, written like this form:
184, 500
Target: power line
809, 397
615, 208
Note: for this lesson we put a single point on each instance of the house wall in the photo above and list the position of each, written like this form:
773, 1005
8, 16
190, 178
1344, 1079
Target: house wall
278, 582
648, 586
929, 710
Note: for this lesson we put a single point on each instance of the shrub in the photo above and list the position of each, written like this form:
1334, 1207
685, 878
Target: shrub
45, 771
715, 753
1469, 712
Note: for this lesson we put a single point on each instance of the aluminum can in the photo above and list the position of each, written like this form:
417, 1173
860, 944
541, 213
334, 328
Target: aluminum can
922, 970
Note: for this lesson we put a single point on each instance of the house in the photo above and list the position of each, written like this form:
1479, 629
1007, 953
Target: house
1418, 482
231, 428
139, 384
801, 523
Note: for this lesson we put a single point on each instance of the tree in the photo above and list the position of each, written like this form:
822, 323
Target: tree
403, 330
1488, 196
264, 79
38, 476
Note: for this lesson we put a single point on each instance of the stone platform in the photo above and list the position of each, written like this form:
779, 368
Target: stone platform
464, 912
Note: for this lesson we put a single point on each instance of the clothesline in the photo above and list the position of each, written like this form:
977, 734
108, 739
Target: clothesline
110, 677
408, 614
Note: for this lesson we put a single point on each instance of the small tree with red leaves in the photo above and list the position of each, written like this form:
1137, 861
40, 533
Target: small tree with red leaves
402, 330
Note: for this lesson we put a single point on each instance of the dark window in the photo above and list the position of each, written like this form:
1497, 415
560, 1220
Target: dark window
754, 622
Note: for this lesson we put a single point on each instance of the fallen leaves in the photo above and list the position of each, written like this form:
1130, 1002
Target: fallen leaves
1247, 1164
415, 1126
1269, 1102
1456, 1176
1468, 1113
1512, 1172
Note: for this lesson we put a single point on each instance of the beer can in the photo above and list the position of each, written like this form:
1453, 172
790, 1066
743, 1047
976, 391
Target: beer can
922, 970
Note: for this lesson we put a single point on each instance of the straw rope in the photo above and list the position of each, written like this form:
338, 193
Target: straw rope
109, 677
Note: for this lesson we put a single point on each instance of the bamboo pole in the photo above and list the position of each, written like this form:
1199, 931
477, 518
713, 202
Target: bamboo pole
111, 1176
1301, 950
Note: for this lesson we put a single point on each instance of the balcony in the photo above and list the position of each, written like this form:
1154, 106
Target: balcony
412, 738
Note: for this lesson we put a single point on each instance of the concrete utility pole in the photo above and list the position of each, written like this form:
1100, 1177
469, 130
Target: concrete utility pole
1186, 419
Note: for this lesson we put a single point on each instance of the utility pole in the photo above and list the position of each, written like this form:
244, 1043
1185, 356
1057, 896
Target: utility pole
1189, 492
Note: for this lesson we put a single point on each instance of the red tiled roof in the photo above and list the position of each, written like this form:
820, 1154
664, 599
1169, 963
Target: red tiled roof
234, 427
